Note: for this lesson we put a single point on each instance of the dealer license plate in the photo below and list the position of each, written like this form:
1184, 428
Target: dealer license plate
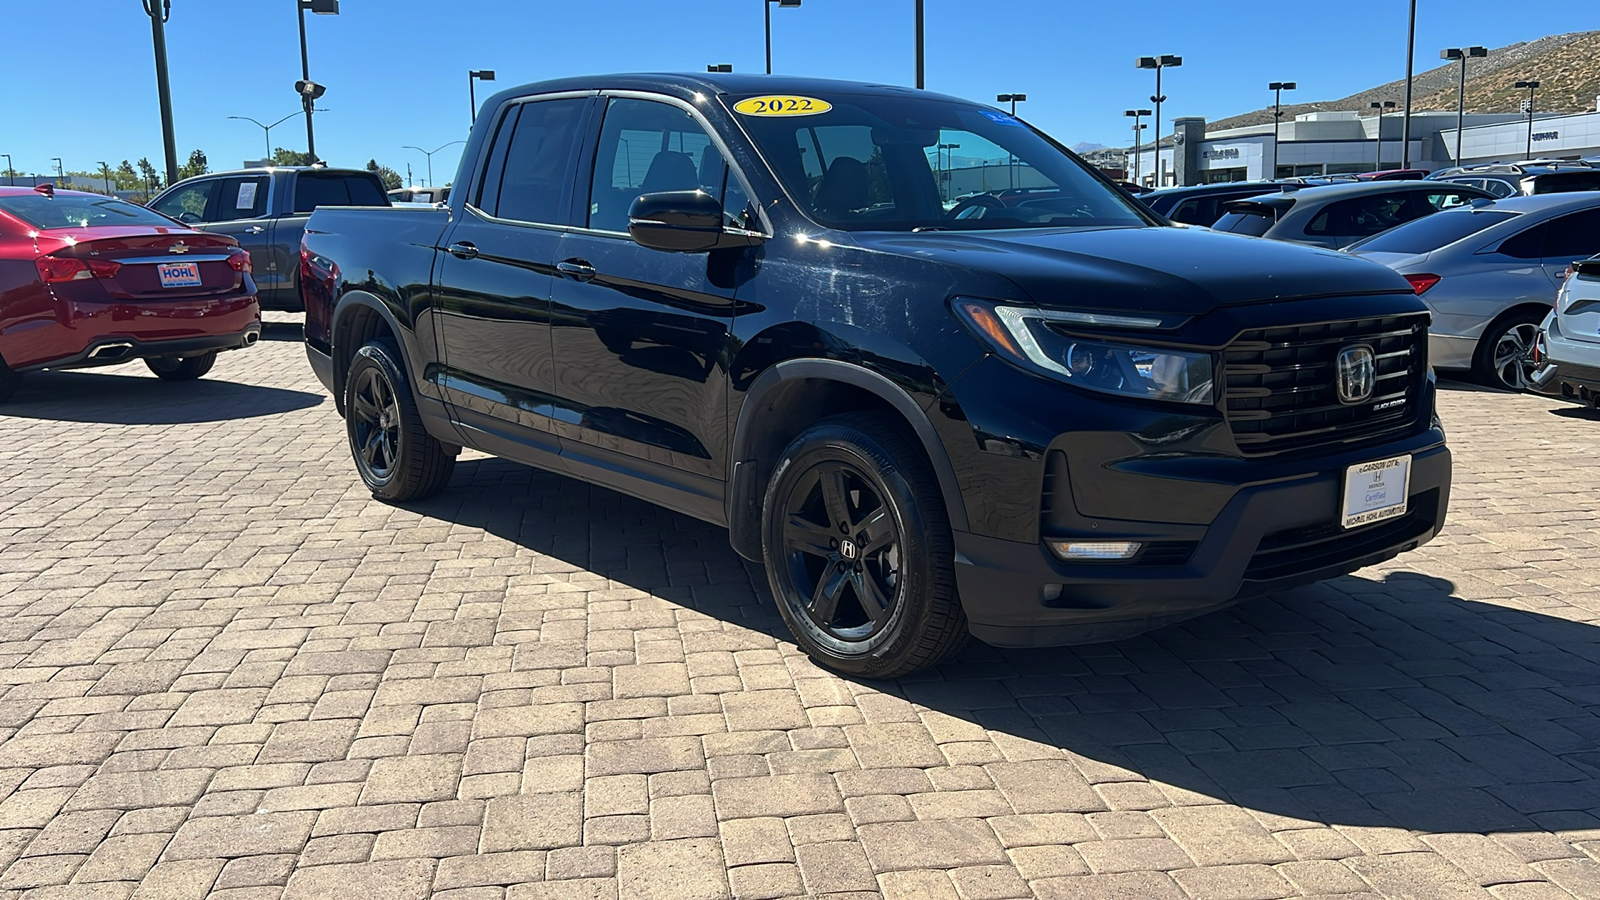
176, 275
1375, 491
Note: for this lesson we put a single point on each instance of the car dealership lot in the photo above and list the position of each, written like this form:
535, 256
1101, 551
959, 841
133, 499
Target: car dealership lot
225, 666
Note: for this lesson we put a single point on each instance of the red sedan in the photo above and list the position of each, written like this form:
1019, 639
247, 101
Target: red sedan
89, 280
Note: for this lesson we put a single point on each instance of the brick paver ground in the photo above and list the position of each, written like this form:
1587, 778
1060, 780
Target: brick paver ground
226, 671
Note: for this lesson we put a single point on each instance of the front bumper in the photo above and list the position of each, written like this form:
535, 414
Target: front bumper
1269, 536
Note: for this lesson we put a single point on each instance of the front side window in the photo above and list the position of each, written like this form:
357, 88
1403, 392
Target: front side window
74, 211
874, 162
188, 202
647, 147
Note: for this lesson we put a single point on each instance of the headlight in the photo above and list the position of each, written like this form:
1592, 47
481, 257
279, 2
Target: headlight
1035, 339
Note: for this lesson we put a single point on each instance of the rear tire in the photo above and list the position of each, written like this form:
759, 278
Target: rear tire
10, 380
858, 549
394, 453
186, 369
1503, 358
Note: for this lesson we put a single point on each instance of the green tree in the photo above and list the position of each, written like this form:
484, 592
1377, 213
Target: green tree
147, 174
195, 166
282, 157
390, 178
124, 177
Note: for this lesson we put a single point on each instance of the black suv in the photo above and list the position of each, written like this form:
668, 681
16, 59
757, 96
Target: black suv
775, 304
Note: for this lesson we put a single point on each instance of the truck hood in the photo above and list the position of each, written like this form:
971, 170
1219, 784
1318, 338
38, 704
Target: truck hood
1175, 271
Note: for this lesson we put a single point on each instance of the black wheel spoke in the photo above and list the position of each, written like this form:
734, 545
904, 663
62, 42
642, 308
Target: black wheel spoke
366, 408
874, 601
875, 528
809, 537
825, 601
834, 497
369, 447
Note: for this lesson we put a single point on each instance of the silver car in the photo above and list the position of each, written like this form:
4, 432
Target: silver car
1489, 272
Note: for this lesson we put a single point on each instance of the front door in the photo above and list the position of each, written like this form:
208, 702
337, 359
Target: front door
492, 285
641, 336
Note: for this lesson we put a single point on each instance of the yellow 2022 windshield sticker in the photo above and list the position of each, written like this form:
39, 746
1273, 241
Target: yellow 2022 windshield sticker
782, 105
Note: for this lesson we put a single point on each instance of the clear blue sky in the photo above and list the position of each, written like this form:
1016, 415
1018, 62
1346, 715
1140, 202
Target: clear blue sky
80, 80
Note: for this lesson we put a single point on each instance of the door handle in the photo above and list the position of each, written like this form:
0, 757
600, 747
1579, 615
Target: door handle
464, 250
577, 268
254, 229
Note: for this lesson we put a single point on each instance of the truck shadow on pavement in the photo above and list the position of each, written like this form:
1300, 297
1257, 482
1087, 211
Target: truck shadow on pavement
117, 399
1361, 702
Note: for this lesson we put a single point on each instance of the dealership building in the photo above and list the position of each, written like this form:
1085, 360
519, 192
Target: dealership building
1333, 143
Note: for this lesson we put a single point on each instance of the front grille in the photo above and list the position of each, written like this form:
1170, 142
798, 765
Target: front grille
1280, 383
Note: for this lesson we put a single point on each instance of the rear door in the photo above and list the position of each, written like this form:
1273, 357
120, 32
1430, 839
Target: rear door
239, 208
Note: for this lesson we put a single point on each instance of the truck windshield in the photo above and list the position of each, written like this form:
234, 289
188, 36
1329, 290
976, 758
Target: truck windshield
870, 162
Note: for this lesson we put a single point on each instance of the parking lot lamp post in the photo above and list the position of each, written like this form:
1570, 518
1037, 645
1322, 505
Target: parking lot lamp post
1531, 86
1135, 114
1405, 123
308, 96
61, 172
429, 154
106, 171
1463, 54
942, 153
159, 11
766, 6
1011, 161
268, 128
1377, 164
472, 94
1277, 88
919, 38
11, 174
1158, 63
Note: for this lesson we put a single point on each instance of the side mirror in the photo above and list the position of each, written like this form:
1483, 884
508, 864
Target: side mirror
683, 222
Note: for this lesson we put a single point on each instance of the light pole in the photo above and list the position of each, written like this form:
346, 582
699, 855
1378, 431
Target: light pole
1531, 86
159, 11
1277, 88
61, 172
1405, 123
920, 57
1377, 164
268, 129
106, 170
720, 67
1011, 159
944, 170
1462, 53
1158, 63
429, 154
11, 173
1135, 114
472, 94
766, 6
309, 90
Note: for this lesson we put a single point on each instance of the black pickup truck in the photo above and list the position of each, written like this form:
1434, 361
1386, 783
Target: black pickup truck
826, 316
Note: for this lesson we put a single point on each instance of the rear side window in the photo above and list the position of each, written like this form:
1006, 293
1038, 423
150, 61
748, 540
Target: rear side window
1527, 244
188, 202
314, 189
241, 197
1444, 200
1254, 221
535, 182
1365, 216
1574, 236
70, 211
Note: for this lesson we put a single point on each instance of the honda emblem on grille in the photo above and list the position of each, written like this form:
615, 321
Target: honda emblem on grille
1355, 374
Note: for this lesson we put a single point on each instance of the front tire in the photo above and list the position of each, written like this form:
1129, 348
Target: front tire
394, 454
1504, 358
858, 549
10, 380
186, 369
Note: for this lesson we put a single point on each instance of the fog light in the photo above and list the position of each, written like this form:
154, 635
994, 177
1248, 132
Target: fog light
1090, 550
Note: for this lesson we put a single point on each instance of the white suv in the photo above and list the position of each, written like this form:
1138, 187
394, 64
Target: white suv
1569, 340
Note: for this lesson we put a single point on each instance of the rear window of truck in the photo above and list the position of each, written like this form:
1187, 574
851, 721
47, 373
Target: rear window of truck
314, 189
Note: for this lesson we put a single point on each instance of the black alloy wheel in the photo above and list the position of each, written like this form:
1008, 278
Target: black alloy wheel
187, 368
842, 550
375, 423
10, 380
394, 453
858, 548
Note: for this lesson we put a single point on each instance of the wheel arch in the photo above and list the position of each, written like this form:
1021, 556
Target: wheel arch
357, 319
789, 396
